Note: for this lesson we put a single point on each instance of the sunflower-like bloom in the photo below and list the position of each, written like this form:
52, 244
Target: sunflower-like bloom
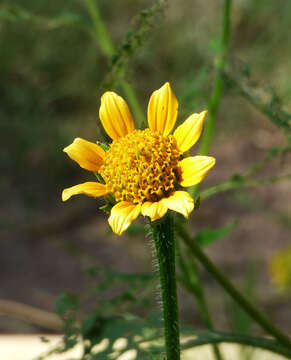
143, 170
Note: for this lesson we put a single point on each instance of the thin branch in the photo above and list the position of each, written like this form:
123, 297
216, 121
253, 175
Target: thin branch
217, 91
107, 46
238, 181
215, 337
257, 316
31, 315
272, 109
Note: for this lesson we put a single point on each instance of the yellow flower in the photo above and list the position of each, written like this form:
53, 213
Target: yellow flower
143, 169
280, 269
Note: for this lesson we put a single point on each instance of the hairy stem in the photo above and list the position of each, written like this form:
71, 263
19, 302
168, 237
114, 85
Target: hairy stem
232, 291
163, 235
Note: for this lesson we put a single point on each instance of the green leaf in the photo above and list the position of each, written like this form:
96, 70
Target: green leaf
208, 236
136, 229
274, 151
65, 302
92, 327
131, 327
134, 280
214, 46
237, 178
92, 271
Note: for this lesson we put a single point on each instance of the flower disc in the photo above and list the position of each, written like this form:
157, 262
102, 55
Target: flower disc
141, 166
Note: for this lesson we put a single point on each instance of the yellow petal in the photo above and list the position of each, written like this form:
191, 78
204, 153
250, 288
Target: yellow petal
163, 110
194, 169
189, 132
155, 210
115, 115
122, 215
181, 202
87, 154
93, 189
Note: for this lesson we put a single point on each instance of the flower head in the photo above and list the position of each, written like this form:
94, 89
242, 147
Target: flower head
280, 269
143, 170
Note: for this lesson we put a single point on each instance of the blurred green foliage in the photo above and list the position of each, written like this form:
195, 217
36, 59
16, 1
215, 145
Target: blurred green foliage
52, 67
208, 236
107, 315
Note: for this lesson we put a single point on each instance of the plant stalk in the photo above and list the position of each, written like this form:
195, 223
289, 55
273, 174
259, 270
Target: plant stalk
232, 291
206, 314
163, 235
235, 183
216, 337
217, 91
107, 46
192, 282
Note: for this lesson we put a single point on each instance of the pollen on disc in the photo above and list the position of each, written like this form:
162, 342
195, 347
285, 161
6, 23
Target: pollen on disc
142, 166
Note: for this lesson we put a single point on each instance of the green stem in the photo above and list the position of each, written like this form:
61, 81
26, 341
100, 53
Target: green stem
107, 46
216, 337
163, 235
101, 32
240, 183
218, 82
217, 91
205, 311
231, 290
134, 103
277, 115
192, 282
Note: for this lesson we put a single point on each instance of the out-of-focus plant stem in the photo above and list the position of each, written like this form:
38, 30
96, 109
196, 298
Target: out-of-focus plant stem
217, 91
206, 142
240, 182
245, 180
232, 291
276, 113
243, 339
218, 82
102, 35
216, 337
192, 282
108, 48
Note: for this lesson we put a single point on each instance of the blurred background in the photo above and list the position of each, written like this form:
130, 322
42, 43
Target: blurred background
53, 70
